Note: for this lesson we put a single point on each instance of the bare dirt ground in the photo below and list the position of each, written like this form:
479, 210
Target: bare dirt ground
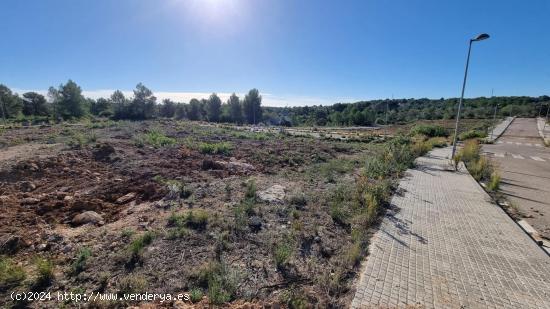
286, 249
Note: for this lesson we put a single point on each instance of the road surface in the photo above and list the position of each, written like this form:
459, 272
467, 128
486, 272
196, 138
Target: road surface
524, 164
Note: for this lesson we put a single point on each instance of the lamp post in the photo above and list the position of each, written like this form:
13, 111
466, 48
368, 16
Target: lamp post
480, 37
494, 121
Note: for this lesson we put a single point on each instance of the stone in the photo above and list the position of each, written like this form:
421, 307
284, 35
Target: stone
255, 223
87, 217
126, 198
9, 244
29, 201
275, 194
27, 186
103, 152
42, 247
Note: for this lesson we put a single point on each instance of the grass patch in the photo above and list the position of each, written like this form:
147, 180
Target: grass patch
132, 284
155, 138
44, 268
219, 280
81, 259
470, 134
11, 275
194, 219
429, 130
283, 251
494, 182
136, 248
78, 140
223, 148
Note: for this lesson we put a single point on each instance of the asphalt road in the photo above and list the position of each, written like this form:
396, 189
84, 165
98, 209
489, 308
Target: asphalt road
524, 164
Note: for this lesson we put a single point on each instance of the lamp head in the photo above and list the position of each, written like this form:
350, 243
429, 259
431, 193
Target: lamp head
481, 37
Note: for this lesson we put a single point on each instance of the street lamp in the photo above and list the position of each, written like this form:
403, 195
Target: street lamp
480, 37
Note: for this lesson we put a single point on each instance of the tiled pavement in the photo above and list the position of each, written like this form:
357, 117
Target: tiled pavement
445, 245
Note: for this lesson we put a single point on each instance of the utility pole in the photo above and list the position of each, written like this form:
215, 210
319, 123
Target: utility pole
494, 120
547, 110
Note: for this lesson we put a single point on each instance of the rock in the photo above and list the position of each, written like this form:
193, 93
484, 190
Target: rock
126, 198
29, 201
9, 244
208, 164
33, 167
255, 223
236, 166
4, 199
55, 238
87, 217
103, 152
27, 186
42, 247
275, 194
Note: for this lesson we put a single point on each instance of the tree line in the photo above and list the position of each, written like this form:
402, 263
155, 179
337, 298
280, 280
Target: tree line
67, 102
399, 111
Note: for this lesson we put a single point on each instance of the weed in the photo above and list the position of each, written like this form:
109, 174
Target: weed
223, 148
196, 295
197, 219
132, 284
11, 275
220, 280
136, 247
44, 269
470, 151
155, 138
79, 264
429, 130
480, 168
283, 251
437, 142
251, 191
470, 134
294, 299
127, 233
78, 140
494, 183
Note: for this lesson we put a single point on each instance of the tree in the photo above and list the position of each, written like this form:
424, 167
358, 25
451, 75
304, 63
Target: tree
101, 107
71, 103
120, 104
213, 108
235, 109
34, 104
10, 104
143, 104
252, 106
167, 109
194, 111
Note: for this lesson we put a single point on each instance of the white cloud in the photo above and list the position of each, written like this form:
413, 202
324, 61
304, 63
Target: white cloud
268, 98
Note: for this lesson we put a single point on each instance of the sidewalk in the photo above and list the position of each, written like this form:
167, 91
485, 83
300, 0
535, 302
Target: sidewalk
544, 131
444, 244
500, 128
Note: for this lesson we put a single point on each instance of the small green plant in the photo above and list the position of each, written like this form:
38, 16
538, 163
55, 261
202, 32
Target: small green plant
251, 191
195, 219
127, 233
44, 268
283, 251
136, 247
494, 183
78, 140
155, 138
429, 130
470, 134
132, 284
220, 281
196, 295
11, 275
223, 148
79, 264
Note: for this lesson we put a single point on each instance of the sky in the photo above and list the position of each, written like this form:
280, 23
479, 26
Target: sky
296, 52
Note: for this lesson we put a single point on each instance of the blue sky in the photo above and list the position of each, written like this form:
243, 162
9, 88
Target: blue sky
295, 52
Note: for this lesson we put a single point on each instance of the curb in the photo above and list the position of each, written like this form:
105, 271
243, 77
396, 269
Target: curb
495, 137
540, 122
524, 226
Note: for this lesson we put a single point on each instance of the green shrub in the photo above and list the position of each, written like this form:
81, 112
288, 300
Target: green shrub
429, 130
79, 264
155, 138
195, 219
251, 190
480, 168
470, 151
472, 134
299, 200
11, 275
78, 140
223, 148
437, 142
